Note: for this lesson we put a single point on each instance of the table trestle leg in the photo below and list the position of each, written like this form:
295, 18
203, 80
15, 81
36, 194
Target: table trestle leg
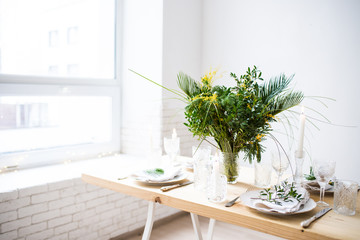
149, 221
194, 219
196, 225
209, 235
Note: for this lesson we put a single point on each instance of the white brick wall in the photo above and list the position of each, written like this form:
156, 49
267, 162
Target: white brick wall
71, 209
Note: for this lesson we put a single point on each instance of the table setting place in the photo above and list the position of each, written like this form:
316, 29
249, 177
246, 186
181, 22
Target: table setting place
289, 196
160, 175
231, 124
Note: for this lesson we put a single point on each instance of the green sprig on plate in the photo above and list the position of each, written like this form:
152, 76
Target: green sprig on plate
283, 193
155, 172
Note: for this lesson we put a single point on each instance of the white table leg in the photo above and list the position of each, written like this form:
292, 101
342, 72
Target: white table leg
209, 235
196, 225
149, 221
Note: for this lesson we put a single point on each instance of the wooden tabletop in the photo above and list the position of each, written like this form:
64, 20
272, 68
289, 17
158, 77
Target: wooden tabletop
330, 226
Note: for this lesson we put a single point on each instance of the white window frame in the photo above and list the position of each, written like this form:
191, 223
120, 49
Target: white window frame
25, 85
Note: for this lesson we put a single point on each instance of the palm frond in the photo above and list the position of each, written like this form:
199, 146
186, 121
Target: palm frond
284, 102
168, 89
188, 85
319, 113
318, 100
275, 86
324, 97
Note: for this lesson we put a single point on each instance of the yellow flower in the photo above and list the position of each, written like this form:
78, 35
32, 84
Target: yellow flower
248, 106
259, 136
211, 98
195, 98
208, 78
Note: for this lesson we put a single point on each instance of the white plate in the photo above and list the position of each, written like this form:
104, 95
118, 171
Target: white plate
246, 199
176, 179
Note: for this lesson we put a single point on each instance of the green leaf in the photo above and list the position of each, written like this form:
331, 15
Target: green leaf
155, 172
188, 85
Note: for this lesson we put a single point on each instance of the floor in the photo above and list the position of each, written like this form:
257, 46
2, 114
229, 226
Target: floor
181, 228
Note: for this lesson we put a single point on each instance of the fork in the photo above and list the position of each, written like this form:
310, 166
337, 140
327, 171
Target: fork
232, 202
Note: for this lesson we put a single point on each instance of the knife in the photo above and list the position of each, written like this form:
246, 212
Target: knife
167, 188
319, 214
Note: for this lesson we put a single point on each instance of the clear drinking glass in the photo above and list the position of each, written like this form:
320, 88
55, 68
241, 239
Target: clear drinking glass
279, 163
201, 159
345, 195
323, 171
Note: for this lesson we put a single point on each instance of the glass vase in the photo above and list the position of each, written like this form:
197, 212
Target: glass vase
230, 166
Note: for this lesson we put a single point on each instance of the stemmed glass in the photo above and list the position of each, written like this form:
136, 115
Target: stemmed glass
323, 171
279, 163
172, 147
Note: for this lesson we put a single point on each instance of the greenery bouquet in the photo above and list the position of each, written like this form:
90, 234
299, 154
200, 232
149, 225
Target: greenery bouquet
237, 118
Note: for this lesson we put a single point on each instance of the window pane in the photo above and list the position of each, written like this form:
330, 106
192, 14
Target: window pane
34, 123
72, 38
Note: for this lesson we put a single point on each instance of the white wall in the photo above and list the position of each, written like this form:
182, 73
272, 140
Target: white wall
141, 100
316, 40
182, 39
161, 38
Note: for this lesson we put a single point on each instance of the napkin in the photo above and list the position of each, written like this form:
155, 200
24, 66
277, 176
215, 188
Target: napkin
314, 185
285, 207
189, 164
169, 174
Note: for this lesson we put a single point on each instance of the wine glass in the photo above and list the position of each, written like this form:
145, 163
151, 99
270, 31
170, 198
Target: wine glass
323, 171
279, 163
172, 147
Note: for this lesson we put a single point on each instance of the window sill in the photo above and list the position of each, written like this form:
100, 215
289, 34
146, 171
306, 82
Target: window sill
43, 175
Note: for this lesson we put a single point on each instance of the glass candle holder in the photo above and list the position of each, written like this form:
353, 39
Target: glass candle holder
217, 184
299, 161
172, 147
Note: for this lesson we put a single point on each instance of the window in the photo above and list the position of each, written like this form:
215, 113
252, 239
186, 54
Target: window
59, 87
73, 69
38, 33
72, 35
33, 122
53, 39
53, 70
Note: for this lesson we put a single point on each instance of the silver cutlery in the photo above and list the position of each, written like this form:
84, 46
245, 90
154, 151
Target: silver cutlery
167, 188
232, 202
319, 214
123, 177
